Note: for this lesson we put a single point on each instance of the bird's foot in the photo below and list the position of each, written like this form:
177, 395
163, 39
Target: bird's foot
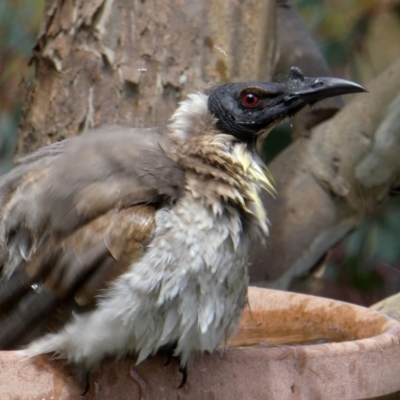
169, 351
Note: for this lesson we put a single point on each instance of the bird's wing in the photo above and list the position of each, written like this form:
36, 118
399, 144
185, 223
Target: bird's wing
73, 216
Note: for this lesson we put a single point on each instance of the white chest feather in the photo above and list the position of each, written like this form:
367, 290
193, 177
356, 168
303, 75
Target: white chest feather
189, 290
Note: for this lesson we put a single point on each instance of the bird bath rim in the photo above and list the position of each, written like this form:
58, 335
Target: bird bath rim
363, 368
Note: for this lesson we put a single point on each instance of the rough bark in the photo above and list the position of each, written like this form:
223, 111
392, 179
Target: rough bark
328, 183
131, 61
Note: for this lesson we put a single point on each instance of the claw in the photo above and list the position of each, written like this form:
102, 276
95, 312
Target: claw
169, 358
183, 371
87, 383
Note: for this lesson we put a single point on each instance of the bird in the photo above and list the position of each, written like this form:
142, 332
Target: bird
133, 240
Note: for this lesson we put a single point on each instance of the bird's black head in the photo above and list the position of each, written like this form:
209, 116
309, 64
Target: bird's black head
247, 109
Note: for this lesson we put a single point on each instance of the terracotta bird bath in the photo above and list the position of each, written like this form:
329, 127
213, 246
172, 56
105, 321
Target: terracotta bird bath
289, 346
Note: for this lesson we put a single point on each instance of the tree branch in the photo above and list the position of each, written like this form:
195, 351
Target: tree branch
329, 182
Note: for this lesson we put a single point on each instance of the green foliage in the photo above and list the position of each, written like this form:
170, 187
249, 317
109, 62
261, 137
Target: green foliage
19, 25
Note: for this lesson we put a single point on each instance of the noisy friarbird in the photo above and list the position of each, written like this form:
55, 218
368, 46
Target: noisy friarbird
126, 240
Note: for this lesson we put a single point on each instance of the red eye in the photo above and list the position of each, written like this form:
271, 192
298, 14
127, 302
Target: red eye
250, 100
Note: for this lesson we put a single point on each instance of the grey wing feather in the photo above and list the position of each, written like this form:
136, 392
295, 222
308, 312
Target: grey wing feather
62, 186
52, 193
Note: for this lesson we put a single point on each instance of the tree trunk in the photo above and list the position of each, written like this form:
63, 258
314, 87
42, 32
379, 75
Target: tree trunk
130, 61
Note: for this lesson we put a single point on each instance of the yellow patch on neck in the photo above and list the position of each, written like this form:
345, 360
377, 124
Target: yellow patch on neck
257, 173
256, 177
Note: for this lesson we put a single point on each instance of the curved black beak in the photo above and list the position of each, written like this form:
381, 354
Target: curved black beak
316, 89
301, 90
298, 91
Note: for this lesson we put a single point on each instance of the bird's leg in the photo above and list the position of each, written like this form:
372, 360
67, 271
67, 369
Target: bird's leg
183, 371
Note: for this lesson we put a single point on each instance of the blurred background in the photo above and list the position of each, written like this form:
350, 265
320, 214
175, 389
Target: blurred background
359, 39
19, 26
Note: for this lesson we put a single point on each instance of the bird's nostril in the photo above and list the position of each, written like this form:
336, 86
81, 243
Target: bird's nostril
317, 84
